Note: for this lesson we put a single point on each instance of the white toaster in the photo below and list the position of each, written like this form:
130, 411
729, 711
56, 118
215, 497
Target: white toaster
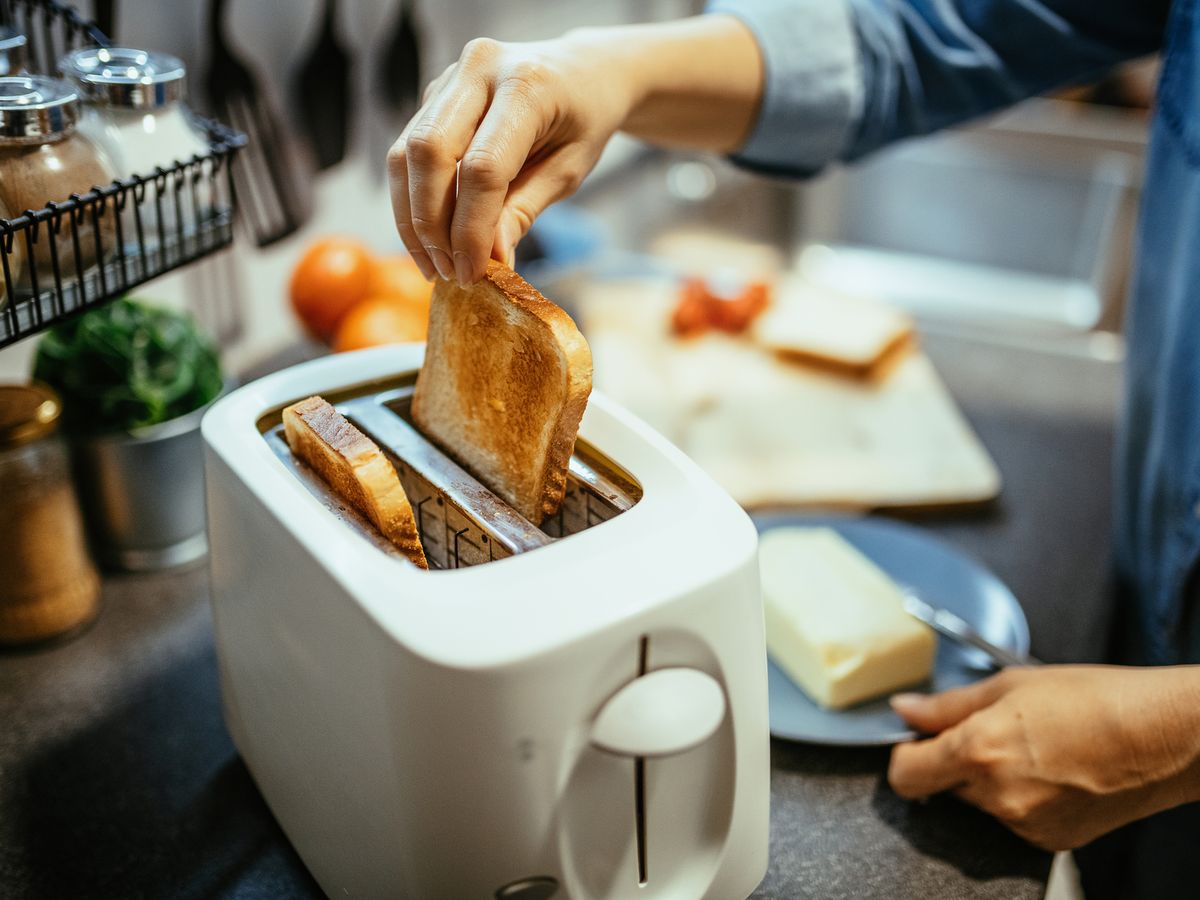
575, 711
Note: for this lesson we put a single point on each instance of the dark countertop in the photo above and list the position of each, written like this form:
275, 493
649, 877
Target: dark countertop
117, 778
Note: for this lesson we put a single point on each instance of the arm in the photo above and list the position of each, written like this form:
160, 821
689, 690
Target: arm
528, 122
1061, 754
794, 84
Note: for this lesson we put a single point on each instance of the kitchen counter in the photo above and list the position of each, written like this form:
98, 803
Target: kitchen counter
117, 778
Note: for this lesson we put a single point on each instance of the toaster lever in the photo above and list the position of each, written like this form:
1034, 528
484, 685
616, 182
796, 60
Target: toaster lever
661, 713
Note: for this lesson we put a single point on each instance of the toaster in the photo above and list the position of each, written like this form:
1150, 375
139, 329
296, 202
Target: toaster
577, 710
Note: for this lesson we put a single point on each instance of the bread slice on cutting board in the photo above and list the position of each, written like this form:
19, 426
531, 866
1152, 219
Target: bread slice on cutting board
503, 387
350, 463
844, 334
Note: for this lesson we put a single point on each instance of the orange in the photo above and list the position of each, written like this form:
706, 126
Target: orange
331, 277
381, 319
399, 275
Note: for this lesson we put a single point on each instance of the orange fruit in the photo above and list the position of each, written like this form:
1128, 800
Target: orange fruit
381, 319
331, 277
399, 275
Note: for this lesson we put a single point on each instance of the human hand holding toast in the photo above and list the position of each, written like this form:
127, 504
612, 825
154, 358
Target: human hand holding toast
511, 128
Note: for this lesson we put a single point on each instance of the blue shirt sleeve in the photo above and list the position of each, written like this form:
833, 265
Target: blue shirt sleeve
845, 77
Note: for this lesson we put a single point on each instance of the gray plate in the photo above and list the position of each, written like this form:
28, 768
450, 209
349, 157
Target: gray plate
940, 575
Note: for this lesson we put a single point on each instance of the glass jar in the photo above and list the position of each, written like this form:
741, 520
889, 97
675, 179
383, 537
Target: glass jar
48, 585
135, 109
42, 159
12, 52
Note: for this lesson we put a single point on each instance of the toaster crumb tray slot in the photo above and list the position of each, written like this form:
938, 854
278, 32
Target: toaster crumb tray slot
461, 522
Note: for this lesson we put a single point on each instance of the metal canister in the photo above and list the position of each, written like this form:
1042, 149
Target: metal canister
48, 585
143, 492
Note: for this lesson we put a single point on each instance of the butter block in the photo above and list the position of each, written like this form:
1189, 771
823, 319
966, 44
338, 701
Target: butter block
836, 623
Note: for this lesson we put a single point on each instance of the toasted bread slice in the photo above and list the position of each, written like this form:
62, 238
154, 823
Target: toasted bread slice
505, 382
843, 334
350, 463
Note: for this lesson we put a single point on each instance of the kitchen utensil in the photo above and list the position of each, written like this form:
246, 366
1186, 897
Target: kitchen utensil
926, 566
106, 17
323, 93
399, 74
579, 706
957, 629
274, 201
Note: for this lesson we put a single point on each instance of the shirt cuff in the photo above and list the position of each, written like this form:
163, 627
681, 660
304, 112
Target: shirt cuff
813, 91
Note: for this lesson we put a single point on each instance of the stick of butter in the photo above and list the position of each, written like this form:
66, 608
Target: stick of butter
835, 623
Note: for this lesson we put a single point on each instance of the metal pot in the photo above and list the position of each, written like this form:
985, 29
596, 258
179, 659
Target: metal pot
143, 494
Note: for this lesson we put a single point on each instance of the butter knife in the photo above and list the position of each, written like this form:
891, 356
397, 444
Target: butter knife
957, 629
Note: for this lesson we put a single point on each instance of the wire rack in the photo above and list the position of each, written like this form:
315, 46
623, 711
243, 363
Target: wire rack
102, 243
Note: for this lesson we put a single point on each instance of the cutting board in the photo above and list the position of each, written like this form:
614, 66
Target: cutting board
773, 432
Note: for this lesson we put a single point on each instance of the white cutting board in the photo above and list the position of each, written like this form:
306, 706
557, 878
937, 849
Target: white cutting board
777, 433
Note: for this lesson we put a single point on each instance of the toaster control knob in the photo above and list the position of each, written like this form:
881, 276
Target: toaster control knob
662, 713
540, 887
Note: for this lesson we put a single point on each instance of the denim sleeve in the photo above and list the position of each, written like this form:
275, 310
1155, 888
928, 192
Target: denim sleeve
845, 77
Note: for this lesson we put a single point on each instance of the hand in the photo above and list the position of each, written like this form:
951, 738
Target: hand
1060, 754
511, 128
527, 122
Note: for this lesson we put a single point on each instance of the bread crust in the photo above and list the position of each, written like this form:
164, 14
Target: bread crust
356, 469
504, 386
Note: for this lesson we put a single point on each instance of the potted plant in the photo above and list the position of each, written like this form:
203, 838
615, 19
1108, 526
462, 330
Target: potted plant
135, 381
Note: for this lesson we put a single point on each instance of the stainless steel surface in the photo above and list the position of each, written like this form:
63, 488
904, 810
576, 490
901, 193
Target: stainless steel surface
125, 77
958, 629
34, 109
143, 494
461, 522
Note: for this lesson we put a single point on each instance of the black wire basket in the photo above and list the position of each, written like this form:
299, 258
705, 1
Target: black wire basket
114, 237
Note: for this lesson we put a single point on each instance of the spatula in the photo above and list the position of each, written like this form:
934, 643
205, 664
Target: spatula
323, 93
272, 200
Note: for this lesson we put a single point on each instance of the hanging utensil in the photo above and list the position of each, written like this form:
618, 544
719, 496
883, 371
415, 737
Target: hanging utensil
272, 199
323, 93
399, 75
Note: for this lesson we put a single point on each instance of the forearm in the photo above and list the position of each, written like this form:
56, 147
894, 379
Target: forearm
694, 83
1173, 747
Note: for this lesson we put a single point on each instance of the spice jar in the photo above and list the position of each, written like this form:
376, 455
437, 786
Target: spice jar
44, 159
135, 109
12, 52
48, 584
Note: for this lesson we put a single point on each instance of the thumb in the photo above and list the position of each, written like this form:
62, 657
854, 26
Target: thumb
540, 185
934, 713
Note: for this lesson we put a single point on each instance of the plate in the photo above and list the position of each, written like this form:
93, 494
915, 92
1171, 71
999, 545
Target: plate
940, 575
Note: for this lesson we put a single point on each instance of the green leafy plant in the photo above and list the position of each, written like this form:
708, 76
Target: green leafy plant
128, 365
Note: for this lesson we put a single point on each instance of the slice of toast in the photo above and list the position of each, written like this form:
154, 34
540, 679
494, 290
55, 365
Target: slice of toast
350, 463
504, 385
847, 335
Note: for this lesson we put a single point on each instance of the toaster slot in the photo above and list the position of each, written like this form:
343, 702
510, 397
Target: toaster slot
461, 522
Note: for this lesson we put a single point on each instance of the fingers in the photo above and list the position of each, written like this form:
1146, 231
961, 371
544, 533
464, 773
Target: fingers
537, 187
924, 768
433, 148
423, 163
498, 152
934, 713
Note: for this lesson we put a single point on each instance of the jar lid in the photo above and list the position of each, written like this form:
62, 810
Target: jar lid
35, 109
12, 52
27, 412
124, 77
